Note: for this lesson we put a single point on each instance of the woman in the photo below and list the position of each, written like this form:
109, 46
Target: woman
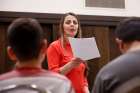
60, 56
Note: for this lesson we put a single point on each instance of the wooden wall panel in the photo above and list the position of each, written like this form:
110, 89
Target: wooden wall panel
89, 31
2, 48
48, 35
101, 34
102, 38
5, 63
55, 31
48, 32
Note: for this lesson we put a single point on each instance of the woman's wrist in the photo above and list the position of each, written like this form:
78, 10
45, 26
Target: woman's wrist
86, 89
66, 68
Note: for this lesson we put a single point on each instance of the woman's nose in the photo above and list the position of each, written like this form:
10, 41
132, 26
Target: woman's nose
72, 23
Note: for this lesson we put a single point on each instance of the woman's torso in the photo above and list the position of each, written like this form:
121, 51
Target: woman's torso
76, 75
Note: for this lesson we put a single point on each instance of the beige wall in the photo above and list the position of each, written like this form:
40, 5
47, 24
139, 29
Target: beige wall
62, 6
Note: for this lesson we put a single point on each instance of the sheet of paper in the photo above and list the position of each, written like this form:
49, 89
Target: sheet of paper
84, 48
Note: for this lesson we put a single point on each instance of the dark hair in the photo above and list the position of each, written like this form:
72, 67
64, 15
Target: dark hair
61, 29
25, 37
128, 30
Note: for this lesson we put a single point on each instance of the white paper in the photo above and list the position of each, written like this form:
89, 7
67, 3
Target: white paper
84, 48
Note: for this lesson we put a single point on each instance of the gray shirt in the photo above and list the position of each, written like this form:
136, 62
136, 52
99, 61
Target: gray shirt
117, 72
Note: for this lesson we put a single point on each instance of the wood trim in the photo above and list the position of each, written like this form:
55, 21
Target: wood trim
6, 16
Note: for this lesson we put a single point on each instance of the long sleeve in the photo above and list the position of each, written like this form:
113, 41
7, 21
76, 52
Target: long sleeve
85, 81
53, 57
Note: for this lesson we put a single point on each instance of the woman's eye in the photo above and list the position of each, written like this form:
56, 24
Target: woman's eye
75, 22
68, 22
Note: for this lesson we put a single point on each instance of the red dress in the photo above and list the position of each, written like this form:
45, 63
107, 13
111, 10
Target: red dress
58, 58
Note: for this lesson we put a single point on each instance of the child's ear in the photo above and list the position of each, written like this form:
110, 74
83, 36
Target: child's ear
44, 46
11, 54
121, 45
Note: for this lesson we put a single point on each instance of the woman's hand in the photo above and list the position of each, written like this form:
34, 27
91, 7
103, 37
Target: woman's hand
86, 89
70, 65
76, 62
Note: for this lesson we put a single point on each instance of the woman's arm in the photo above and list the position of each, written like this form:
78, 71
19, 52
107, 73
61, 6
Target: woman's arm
70, 65
53, 57
86, 89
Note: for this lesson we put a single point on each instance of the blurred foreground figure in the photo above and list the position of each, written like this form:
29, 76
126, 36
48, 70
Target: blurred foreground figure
26, 46
126, 66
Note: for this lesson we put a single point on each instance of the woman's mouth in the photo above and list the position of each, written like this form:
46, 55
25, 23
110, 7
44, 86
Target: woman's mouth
72, 30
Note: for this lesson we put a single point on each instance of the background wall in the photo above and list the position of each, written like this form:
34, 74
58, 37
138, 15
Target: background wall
61, 6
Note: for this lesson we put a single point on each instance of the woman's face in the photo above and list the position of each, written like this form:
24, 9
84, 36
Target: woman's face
70, 26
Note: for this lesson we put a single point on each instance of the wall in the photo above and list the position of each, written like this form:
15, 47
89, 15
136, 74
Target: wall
62, 6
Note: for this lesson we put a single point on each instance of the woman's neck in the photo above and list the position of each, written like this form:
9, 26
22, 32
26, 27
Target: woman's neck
64, 40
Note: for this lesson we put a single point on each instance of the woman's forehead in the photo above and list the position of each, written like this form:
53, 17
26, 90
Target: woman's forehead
70, 17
